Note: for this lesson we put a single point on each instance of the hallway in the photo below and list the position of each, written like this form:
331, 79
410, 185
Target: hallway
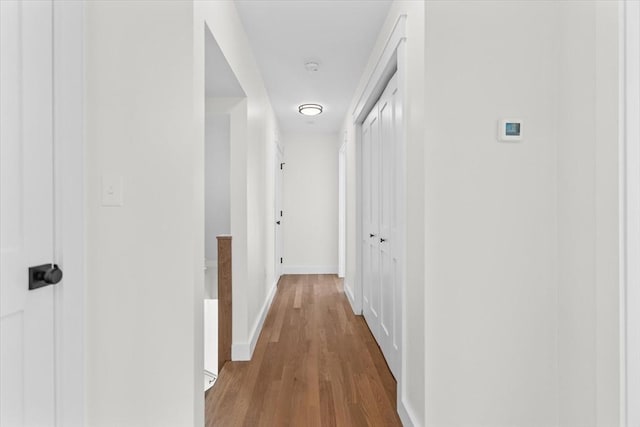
315, 363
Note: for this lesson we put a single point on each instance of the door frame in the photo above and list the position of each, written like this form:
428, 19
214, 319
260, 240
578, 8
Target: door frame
278, 187
392, 60
629, 131
69, 210
342, 207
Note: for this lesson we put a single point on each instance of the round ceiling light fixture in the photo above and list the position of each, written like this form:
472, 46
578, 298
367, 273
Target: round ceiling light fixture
310, 109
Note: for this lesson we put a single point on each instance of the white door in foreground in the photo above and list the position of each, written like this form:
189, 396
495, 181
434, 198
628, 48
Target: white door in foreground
27, 384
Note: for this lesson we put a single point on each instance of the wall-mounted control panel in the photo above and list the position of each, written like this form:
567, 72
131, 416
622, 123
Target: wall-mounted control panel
510, 130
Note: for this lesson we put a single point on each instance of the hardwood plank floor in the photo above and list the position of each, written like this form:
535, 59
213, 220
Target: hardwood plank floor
315, 364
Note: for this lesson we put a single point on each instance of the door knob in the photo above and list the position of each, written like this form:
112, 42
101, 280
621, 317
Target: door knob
372, 235
278, 222
44, 275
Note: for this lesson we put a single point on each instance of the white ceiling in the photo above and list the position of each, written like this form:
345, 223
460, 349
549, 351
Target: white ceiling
339, 34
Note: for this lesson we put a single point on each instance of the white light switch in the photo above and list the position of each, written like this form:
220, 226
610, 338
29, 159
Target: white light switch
112, 189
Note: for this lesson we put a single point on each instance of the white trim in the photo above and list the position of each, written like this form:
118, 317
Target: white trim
310, 269
68, 74
244, 351
342, 207
381, 72
622, 213
358, 286
630, 214
240, 352
407, 414
352, 300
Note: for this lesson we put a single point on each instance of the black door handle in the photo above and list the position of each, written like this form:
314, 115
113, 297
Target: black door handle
44, 275
278, 222
372, 235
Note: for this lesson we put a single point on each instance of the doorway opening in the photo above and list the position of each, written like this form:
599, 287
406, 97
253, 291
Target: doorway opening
224, 103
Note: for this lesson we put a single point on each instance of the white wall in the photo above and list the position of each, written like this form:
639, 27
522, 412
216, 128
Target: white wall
491, 297
217, 165
588, 215
142, 259
630, 168
521, 247
217, 160
310, 199
411, 386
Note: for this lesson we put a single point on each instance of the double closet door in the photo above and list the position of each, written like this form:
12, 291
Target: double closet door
380, 232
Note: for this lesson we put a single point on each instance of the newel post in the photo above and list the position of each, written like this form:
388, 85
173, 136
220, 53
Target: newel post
224, 300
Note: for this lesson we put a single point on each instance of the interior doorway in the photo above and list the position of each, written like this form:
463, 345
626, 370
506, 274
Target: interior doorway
223, 101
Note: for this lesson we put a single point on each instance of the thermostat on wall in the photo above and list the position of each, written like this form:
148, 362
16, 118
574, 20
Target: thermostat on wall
510, 130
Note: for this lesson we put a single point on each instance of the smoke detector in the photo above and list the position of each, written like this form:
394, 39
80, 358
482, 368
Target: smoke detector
311, 66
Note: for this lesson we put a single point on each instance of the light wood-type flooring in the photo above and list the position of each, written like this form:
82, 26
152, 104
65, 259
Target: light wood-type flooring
315, 364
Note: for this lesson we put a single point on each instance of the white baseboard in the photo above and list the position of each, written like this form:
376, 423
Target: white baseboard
352, 299
310, 269
240, 352
244, 351
407, 415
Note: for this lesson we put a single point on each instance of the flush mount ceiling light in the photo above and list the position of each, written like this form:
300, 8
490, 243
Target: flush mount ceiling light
310, 109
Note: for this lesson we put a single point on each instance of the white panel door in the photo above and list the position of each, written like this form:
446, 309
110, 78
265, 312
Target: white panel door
388, 230
374, 234
279, 214
366, 219
26, 231
370, 200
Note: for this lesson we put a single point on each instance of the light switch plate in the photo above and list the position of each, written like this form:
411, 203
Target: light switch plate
112, 190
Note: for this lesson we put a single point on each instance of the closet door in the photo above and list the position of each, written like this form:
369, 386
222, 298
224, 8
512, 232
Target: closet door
387, 241
380, 233
370, 217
